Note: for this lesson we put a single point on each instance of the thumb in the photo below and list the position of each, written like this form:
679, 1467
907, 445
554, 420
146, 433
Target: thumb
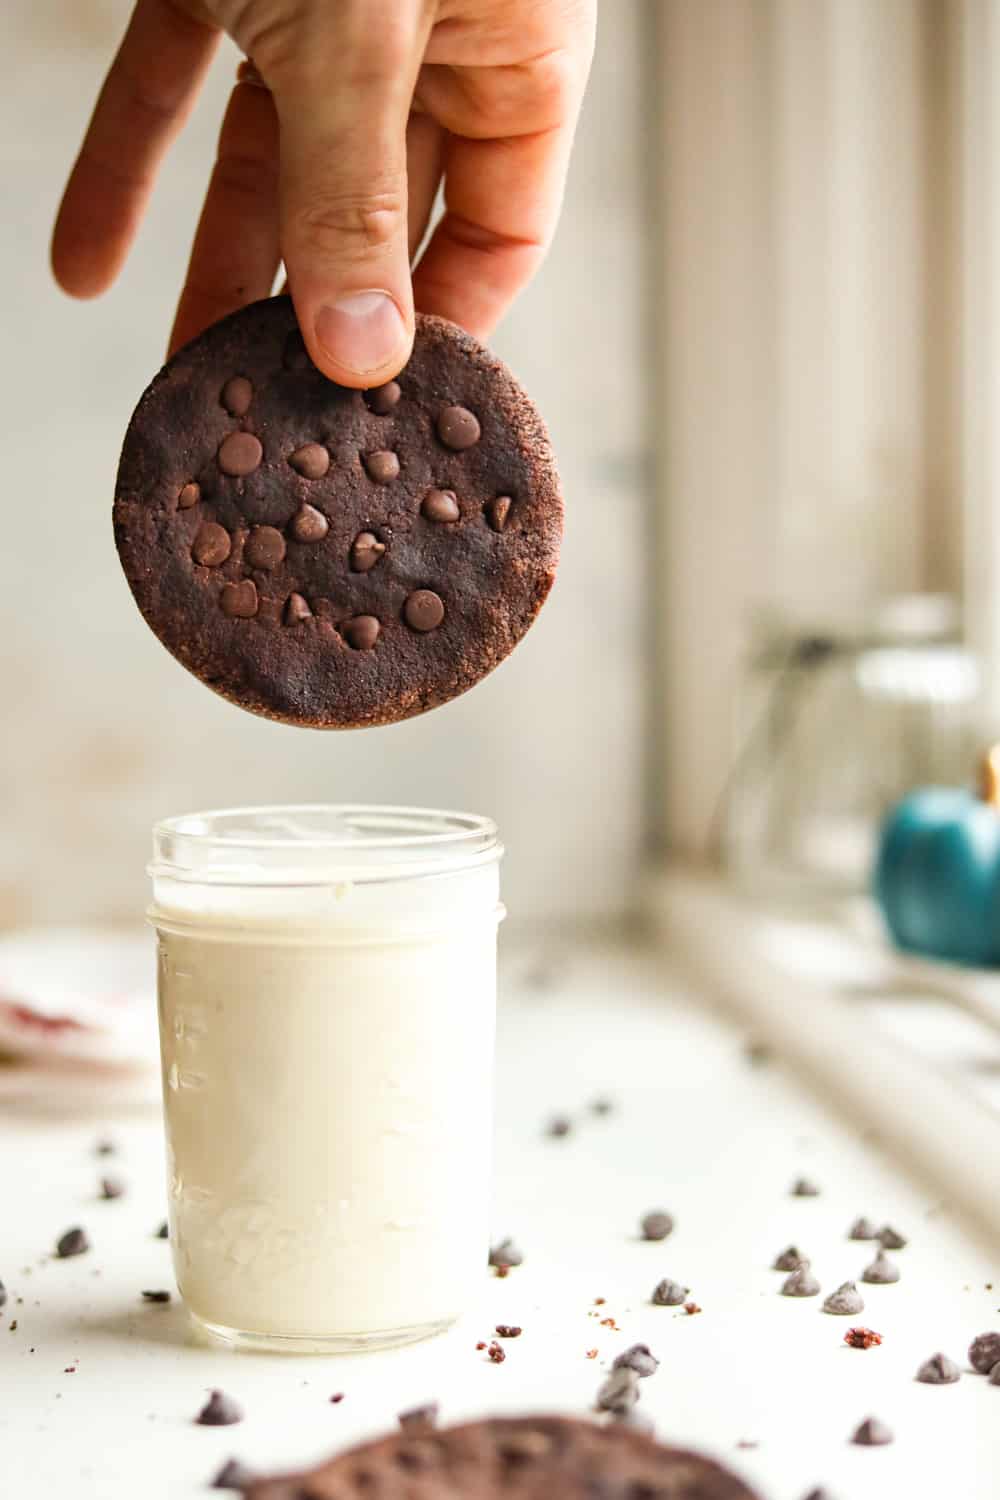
343, 204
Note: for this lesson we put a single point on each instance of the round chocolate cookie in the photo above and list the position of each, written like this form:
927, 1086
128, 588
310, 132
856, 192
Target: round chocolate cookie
544, 1458
329, 557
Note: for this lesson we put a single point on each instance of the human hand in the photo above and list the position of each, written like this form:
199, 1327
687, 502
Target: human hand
333, 166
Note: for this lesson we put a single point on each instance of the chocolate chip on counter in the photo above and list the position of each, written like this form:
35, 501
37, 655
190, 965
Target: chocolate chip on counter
984, 1352
506, 1253
296, 609
211, 545
423, 610
862, 1229
939, 1370
498, 511
804, 1187
239, 600
237, 394
382, 398
619, 1391
656, 1225
669, 1293
219, 1410
881, 1272
156, 1296
362, 632
691, 1308
457, 428
496, 1354
112, 1187
190, 495
366, 549
419, 1417
637, 1357
789, 1260
801, 1283
309, 524
265, 547
560, 1125
239, 454
862, 1338
441, 506
845, 1300
312, 460
891, 1239
232, 1476
73, 1242
163, 1232
508, 1330
872, 1433
382, 466
336, 1398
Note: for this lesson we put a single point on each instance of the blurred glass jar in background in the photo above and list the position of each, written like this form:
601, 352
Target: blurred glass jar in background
831, 728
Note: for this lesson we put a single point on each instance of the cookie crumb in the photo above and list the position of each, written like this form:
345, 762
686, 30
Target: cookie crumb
862, 1338
691, 1308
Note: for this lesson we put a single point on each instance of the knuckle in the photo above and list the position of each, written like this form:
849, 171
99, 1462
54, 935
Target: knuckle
351, 223
242, 176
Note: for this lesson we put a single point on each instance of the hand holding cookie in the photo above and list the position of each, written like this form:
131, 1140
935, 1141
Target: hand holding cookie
330, 158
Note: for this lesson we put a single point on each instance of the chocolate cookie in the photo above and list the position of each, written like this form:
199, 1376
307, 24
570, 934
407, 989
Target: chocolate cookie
512, 1459
329, 557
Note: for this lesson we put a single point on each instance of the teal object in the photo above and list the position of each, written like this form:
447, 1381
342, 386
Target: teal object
937, 876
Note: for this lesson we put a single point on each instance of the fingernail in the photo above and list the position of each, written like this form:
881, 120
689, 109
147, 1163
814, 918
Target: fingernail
361, 332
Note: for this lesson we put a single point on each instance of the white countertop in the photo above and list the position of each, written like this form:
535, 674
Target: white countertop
696, 1129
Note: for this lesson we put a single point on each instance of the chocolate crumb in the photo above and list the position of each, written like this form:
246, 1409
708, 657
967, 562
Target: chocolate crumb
163, 1232
481, 1344
891, 1239
619, 1391
789, 1260
845, 1300
232, 1476
104, 1147
984, 1352
600, 1301
669, 1293
419, 1418
804, 1187
219, 1410
73, 1242
818, 1495
801, 1283
112, 1187
508, 1330
881, 1272
862, 1229
609, 1323
691, 1308
862, 1338
872, 1433
656, 1225
637, 1357
336, 1398
3, 1294
601, 1106
155, 1296
13, 1325
70, 1370
506, 1254
591, 1354
747, 1443
496, 1354
939, 1370
559, 1127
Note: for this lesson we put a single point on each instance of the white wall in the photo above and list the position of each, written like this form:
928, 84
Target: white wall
103, 732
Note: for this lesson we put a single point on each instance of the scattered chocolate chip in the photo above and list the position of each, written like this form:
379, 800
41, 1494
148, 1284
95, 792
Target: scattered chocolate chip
939, 1370
498, 511
457, 428
366, 549
803, 1187
506, 1253
362, 632
789, 1260
601, 1106
265, 547
156, 1296
232, 1476
239, 454
637, 1357
872, 1433
619, 1391
296, 609
984, 1352
440, 505
211, 545
669, 1293
559, 1126
508, 1330
309, 524
656, 1225
219, 1410
862, 1229
237, 393
691, 1308
3, 1295
419, 1417
337, 1397
801, 1283
163, 1232
190, 495
13, 1326
382, 466
112, 1187
382, 398
312, 460
73, 1242
881, 1272
239, 600
423, 610
891, 1239
862, 1338
496, 1354
481, 1344
845, 1300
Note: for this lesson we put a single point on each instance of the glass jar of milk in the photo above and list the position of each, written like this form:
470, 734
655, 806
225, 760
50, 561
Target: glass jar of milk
327, 980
